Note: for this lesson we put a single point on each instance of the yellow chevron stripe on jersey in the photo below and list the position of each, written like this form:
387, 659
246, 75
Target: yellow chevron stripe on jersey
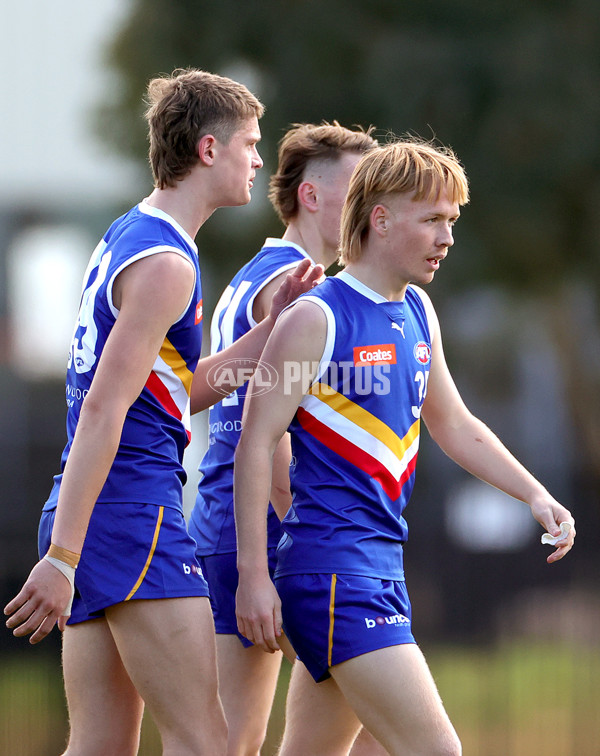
175, 361
363, 428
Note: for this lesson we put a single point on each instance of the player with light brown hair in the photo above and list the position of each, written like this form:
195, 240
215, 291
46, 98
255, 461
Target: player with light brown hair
118, 571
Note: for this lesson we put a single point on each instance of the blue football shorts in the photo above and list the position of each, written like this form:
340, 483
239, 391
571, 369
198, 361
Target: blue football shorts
220, 571
131, 551
331, 618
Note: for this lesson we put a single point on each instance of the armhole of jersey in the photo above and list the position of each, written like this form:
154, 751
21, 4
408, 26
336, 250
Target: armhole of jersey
94, 262
429, 311
140, 256
215, 323
279, 271
330, 337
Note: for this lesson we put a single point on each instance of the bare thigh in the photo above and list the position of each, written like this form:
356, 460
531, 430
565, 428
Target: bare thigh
334, 729
168, 648
394, 695
319, 721
247, 682
99, 691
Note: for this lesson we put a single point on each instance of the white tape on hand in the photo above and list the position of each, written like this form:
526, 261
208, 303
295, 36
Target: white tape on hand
69, 573
565, 528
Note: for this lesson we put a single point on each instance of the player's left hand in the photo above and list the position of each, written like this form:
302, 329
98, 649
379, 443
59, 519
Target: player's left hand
303, 278
40, 603
550, 514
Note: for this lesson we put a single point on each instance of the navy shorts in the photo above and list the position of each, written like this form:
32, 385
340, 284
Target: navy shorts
329, 619
220, 571
131, 551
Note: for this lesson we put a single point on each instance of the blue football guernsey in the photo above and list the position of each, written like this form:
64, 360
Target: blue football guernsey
355, 435
148, 465
212, 521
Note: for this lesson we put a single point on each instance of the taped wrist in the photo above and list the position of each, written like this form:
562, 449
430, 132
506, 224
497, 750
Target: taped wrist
69, 572
69, 557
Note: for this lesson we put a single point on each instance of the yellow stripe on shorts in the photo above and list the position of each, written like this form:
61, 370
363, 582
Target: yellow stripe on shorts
139, 581
331, 618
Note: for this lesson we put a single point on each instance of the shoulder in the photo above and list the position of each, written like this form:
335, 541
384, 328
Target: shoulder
427, 304
307, 311
421, 294
275, 253
155, 279
266, 272
328, 303
302, 321
145, 228
299, 335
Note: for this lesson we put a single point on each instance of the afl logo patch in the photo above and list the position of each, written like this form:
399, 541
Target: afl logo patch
422, 352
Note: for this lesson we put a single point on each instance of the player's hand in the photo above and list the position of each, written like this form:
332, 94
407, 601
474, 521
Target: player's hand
550, 514
258, 610
302, 279
40, 603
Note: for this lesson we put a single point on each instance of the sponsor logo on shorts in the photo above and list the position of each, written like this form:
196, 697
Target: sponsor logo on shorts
376, 354
191, 569
394, 619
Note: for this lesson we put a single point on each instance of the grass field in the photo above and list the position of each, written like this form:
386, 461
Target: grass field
520, 700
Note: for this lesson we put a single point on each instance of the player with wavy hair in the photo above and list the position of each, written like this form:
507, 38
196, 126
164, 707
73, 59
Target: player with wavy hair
118, 570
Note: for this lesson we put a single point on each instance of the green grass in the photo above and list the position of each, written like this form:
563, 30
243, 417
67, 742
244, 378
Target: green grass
32, 706
512, 700
522, 699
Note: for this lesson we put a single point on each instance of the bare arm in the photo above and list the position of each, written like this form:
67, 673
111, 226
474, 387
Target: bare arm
472, 445
298, 336
281, 496
251, 344
151, 293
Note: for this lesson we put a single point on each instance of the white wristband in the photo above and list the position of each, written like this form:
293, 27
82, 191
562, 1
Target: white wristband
69, 573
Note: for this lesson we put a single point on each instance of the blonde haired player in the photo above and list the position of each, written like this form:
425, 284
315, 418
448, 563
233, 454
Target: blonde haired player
339, 590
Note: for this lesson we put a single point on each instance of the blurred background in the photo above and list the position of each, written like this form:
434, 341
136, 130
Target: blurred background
514, 88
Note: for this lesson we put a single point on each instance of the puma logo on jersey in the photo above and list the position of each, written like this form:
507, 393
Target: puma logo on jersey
398, 327
376, 354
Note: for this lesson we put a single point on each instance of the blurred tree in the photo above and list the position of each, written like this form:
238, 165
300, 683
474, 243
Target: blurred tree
512, 86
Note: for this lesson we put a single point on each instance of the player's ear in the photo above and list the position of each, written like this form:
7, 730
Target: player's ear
379, 219
307, 196
206, 149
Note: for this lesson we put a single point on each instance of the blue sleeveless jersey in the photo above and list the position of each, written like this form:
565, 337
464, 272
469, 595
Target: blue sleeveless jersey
148, 465
212, 518
355, 435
